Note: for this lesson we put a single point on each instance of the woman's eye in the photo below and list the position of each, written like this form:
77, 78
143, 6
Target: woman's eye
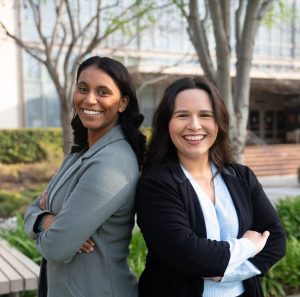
206, 115
102, 92
82, 89
182, 115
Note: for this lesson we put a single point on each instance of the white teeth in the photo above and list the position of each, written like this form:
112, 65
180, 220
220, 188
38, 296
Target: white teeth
194, 138
91, 112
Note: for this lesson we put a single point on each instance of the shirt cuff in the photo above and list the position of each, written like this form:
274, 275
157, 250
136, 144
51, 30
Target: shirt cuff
240, 250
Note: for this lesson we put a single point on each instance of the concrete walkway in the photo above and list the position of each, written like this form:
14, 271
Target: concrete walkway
280, 186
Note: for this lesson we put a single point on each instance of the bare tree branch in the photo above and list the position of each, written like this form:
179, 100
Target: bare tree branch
71, 19
222, 51
265, 6
238, 24
54, 39
34, 51
37, 19
61, 45
225, 10
198, 37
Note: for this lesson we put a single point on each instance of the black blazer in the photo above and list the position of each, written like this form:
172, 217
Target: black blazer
171, 220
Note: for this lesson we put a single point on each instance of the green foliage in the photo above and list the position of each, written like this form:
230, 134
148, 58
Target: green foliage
10, 203
19, 239
138, 252
288, 210
284, 277
281, 11
16, 203
27, 145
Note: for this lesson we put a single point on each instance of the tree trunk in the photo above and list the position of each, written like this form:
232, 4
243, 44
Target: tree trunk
66, 114
242, 81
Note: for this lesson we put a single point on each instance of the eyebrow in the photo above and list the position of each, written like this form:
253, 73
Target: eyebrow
185, 110
97, 87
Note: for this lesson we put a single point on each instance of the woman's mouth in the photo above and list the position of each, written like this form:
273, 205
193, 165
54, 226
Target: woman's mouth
91, 112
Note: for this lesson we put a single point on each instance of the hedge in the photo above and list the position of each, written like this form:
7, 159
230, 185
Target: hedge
27, 145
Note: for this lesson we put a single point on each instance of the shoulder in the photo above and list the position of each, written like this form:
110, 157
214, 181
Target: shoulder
238, 170
114, 161
169, 172
244, 174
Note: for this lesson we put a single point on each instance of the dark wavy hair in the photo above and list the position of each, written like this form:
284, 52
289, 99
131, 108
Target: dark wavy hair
130, 119
161, 148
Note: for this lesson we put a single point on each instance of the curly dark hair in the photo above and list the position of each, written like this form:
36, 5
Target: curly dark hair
161, 148
130, 119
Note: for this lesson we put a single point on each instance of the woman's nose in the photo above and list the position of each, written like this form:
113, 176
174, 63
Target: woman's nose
91, 98
194, 123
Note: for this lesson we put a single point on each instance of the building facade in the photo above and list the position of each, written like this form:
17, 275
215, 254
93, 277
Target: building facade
156, 56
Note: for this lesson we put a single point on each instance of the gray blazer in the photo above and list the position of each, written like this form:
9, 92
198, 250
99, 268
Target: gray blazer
92, 195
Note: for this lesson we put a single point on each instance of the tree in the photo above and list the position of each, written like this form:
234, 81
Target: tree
246, 20
67, 38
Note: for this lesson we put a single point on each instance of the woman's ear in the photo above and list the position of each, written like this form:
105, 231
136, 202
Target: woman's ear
123, 103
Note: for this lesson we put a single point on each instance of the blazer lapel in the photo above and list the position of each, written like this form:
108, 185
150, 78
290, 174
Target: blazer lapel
238, 189
111, 136
190, 198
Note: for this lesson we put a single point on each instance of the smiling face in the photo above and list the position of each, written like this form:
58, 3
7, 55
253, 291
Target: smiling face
98, 102
193, 129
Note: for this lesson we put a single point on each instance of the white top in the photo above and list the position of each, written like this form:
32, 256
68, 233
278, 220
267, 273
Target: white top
221, 222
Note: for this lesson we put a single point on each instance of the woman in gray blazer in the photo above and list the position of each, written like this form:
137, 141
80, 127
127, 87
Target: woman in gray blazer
82, 222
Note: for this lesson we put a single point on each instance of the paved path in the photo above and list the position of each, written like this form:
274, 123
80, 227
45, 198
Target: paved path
280, 186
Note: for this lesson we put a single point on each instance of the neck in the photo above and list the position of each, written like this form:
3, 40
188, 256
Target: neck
200, 168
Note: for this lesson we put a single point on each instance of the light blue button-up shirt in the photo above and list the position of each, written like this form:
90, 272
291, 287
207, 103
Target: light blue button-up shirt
221, 222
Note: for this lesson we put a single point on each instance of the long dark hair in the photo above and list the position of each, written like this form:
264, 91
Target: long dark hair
161, 148
130, 119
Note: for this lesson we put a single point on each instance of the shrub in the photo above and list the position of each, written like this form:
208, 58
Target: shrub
288, 210
25, 145
16, 203
284, 277
10, 203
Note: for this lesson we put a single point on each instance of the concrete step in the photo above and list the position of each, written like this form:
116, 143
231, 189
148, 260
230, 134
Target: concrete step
278, 159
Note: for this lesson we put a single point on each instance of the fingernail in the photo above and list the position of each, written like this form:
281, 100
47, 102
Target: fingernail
91, 249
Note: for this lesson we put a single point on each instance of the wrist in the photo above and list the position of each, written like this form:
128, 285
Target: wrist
39, 228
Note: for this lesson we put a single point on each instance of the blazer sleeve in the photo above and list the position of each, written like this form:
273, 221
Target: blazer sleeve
164, 222
265, 218
33, 211
103, 188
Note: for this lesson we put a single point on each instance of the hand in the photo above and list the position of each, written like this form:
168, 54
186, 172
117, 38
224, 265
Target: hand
258, 239
47, 221
87, 247
43, 200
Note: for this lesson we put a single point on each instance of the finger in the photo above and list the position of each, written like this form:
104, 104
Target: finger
42, 204
84, 250
87, 247
266, 234
90, 242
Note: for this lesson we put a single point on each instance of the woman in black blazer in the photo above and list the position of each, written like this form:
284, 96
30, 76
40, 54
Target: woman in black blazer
208, 225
